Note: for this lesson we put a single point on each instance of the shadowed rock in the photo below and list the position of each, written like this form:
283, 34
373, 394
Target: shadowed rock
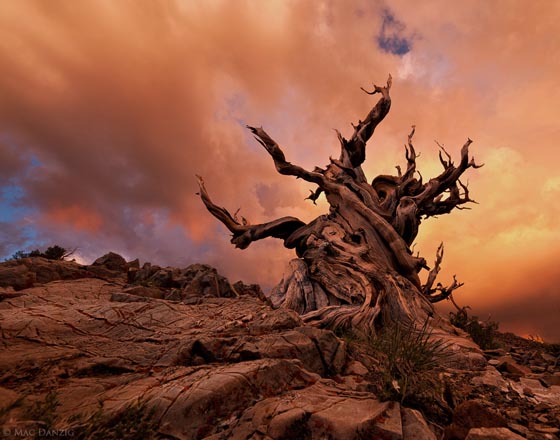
111, 261
223, 368
221, 363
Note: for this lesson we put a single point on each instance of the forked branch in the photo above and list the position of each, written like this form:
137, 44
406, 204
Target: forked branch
220, 213
430, 200
410, 154
314, 195
353, 150
356, 261
243, 233
282, 165
439, 293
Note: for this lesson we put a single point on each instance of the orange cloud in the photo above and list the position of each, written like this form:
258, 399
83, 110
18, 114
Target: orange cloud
76, 217
123, 103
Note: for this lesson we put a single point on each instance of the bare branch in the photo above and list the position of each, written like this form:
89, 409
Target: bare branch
220, 213
420, 175
459, 309
411, 156
454, 200
340, 165
429, 199
445, 163
382, 90
434, 272
282, 165
69, 253
314, 195
244, 221
438, 293
466, 192
353, 151
444, 292
244, 234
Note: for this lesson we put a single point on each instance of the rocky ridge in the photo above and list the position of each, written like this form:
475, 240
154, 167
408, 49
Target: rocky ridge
84, 347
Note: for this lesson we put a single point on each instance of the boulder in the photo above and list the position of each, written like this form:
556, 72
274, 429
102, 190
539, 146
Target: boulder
491, 377
414, 426
111, 261
508, 365
461, 352
224, 368
472, 414
533, 390
134, 264
17, 276
146, 292
551, 379
191, 284
28, 272
314, 412
492, 434
356, 368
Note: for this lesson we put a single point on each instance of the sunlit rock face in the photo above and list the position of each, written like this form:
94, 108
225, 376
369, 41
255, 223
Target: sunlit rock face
223, 364
192, 355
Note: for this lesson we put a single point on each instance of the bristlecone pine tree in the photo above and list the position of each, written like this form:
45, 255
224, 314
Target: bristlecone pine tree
355, 267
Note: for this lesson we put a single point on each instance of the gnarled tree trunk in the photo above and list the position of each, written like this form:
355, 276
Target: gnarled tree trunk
355, 267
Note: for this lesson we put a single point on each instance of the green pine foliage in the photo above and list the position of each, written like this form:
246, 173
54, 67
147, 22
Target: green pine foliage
409, 360
135, 422
483, 333
51, 253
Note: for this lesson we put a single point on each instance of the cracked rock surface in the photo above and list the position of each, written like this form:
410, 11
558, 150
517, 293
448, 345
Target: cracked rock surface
219, 367
207, 359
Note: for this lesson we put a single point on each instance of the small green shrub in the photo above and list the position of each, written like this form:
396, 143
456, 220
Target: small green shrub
553, 349
135, 422
483, 333
45, 410
348, 336
408, 358
55, 253
18, 255
51, 253
4, 411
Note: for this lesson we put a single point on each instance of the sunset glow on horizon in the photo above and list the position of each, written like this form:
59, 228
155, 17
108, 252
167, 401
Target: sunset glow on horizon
109, 109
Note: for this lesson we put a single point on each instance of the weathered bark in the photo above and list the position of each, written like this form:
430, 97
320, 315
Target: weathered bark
355, 265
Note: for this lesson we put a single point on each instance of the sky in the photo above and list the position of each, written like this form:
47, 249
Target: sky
109, 109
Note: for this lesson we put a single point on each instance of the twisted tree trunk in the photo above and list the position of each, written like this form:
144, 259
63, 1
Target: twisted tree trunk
355, 266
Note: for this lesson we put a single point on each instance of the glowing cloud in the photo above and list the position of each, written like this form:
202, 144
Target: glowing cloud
120, 104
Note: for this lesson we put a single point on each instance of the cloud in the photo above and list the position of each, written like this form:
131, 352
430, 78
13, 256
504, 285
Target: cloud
11, 237
108, 110
123, 106
11, 162
391, 38
536, 315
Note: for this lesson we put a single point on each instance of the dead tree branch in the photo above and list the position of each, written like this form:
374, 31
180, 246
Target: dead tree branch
355, 265
244, 234
439, 293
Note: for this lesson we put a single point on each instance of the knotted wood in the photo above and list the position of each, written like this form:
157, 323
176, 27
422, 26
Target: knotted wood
355, 267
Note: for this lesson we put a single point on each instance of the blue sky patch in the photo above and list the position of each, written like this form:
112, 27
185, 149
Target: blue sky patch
10, 210
391, 38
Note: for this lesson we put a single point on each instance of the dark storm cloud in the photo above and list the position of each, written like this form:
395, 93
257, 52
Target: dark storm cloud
391, 37
109, 109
